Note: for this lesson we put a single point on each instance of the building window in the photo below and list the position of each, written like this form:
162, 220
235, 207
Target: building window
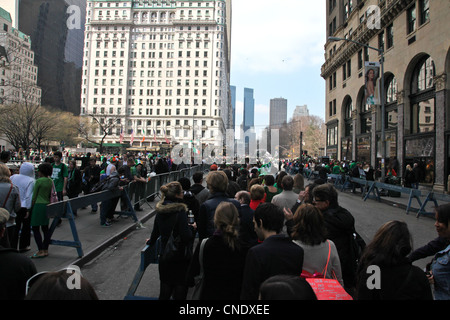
423, 97
348, 109
390, 36
424, 6
411, 19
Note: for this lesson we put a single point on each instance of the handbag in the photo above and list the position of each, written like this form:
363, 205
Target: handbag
7, 197
199, 280
175, 250
53, 194
326, 289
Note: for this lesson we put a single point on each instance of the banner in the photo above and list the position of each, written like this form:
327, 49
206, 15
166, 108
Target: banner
372, 73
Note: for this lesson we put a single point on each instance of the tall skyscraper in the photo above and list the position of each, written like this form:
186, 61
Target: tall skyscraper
56, 28
278, 112
233, 106
158, 70
249, 109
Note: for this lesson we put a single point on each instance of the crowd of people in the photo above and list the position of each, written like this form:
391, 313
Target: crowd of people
258, 233
249, 235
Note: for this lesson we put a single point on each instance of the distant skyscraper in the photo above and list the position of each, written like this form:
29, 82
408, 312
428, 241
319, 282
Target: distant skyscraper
301, 111
249, 109
233, 106
278, 112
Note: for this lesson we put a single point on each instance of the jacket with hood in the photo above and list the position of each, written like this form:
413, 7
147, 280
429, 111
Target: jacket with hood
25, 181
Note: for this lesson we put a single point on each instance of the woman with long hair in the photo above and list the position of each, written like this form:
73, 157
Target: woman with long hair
223, 257
385, 273
320, 254
171, 216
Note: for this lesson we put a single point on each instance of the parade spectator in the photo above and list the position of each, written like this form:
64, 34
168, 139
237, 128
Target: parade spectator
199, 191
233, 186
340, 226
242, 180
286, 287
41, 198
299, 183
410, 177
320, 254
59, 175
53, 286
247, 232
140, 180
171, 216
188, 197
440, 268
277, 254
25, 181
269, 188
15, 269
257, 196
9, 200
108, 207
92, 177
280, 176
217, 183
398, 279
74, 182
223, 258
287, 198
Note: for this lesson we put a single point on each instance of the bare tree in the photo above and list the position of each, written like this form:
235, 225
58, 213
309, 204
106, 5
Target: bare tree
88, 127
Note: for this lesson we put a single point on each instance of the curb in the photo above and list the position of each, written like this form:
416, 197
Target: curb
91, 255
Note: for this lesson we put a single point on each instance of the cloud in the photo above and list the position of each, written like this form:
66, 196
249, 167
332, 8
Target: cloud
277, 36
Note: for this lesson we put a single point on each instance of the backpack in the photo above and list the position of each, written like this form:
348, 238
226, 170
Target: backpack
99, 186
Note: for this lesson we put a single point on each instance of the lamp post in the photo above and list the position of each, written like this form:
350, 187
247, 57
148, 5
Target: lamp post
383, 119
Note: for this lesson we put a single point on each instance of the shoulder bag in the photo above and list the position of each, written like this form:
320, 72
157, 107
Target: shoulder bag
199, 280
175, 250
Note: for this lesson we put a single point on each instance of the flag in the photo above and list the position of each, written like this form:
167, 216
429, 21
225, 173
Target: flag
154, 135
121, 135
143, 135
132, 137
165, 137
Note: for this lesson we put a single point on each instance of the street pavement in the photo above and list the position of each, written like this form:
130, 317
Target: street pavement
112, 255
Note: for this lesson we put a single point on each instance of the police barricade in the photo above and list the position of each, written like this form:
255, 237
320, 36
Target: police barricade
149, 255
374, 187
432, 196
64, 209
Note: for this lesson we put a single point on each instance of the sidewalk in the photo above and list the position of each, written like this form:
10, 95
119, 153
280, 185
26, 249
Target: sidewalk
93, 237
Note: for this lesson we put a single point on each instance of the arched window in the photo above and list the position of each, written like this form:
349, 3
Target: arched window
391, 120
423, 97
365, 116
348, 109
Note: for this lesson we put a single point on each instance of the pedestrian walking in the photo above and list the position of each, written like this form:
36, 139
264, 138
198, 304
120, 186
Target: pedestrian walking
276, 255
74, 182
60, 174
223, 258
171, 218
41, 198
25, 181
9, 200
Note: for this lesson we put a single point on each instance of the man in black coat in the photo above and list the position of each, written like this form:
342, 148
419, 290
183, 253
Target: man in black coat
247, 232
277, 254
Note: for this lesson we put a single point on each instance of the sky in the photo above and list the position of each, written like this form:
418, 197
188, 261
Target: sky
277, 49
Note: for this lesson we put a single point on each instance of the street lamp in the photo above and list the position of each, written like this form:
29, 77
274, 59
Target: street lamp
383, 133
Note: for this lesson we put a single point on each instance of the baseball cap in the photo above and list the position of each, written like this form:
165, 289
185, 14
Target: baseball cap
4, 216
213, 167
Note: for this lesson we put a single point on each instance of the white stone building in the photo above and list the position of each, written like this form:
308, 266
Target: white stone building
159, 70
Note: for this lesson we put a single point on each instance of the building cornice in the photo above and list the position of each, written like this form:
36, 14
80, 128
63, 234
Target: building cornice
390, 10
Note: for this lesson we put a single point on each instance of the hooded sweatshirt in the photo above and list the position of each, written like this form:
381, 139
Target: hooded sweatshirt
25, 182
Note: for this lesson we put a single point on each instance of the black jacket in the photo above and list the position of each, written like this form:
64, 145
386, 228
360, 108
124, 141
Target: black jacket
74, 183
15, 270
223, 269
247, 232
340, 226
276, 255
205, 221
170, 216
